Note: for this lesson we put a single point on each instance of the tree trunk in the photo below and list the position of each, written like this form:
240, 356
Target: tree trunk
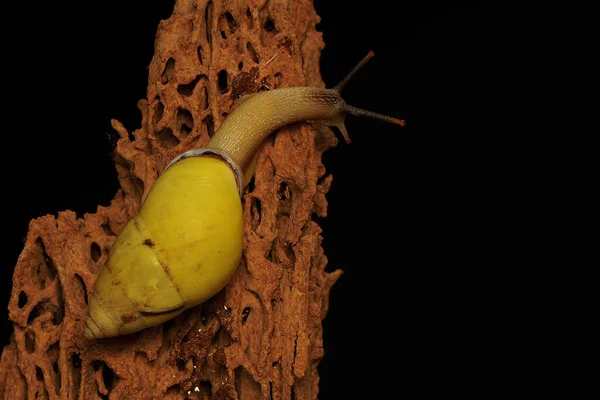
261, 336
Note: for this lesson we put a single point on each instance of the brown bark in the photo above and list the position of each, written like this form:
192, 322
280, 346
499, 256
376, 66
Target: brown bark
260, 337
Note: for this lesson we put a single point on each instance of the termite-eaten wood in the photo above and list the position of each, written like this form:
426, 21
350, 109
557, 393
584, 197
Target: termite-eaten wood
260, 337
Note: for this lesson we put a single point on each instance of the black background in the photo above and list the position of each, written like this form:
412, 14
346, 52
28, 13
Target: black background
469, 238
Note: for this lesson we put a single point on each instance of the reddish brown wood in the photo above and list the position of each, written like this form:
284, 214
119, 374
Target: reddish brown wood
261, 337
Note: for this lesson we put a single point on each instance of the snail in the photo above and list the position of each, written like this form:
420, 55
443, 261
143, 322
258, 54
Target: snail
186, 241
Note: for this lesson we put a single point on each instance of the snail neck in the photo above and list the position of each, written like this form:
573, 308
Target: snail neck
256, 116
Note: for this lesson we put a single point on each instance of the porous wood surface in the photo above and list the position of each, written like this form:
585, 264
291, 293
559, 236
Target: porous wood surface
260, 337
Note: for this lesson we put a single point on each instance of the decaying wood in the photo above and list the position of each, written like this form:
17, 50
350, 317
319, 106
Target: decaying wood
260, 337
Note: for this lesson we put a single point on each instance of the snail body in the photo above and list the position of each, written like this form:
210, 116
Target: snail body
187, 240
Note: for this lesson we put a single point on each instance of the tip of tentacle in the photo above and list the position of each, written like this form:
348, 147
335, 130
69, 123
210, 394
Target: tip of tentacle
344, 132
359, 112
338, 88
400, 122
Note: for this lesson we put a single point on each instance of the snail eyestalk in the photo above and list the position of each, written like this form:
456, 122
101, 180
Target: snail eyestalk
355, 110
359, 112
256, 116
340, 86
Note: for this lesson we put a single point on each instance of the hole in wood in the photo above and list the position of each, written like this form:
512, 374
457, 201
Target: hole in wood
223, 81
30, 342
95, 251
167, 139
168, 71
